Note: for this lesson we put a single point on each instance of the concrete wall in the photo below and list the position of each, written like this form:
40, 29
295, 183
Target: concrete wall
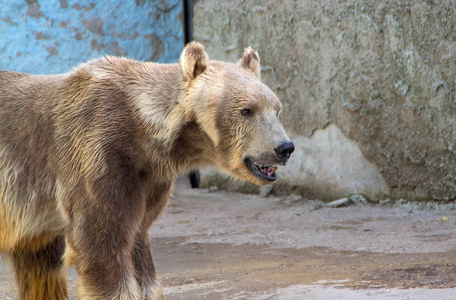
51, 36
368, 89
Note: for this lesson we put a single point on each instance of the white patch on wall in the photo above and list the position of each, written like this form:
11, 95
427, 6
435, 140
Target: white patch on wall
330, 165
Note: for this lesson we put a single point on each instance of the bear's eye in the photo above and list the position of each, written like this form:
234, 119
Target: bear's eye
246, 112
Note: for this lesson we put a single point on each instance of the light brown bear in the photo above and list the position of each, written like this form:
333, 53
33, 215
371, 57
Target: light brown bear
88, 159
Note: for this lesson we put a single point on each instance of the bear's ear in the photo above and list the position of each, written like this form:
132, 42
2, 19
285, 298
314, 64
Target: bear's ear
251, 60
193, 60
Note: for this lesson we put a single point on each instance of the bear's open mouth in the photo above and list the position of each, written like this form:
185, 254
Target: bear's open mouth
264, 172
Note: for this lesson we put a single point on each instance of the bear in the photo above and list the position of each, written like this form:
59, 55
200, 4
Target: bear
88, 160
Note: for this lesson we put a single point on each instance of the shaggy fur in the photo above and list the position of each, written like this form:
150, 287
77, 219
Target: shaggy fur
88, 159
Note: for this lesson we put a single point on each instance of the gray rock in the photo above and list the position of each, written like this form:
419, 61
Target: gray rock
359, 199
340, 202
266, 190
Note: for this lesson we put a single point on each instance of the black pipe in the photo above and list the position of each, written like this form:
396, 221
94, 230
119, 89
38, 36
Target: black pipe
188, 21
188, 37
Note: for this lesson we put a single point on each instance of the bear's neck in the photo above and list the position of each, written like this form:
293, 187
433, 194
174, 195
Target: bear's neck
193, 149
169, 121
158, 95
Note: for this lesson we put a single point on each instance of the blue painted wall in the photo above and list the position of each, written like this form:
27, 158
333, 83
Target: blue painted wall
51, 36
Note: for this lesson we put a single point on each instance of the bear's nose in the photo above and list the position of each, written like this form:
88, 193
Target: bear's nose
284, 150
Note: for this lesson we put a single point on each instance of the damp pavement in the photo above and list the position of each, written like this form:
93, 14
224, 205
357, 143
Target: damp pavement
211, 244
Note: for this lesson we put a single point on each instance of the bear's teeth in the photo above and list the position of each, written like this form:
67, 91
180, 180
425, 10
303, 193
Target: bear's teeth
268, 170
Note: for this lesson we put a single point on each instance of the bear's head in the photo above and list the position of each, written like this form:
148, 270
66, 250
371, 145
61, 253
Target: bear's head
238, 113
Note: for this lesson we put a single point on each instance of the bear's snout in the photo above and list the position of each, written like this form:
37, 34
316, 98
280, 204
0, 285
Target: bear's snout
284, 150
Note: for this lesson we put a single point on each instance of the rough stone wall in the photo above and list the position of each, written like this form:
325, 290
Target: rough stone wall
383, 72
39, 36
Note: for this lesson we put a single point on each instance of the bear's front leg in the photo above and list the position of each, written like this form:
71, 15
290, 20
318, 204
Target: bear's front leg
144, 267
106, 214
100, 247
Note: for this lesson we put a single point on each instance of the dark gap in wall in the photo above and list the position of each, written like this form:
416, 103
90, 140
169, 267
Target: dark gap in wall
188, 21
194, 176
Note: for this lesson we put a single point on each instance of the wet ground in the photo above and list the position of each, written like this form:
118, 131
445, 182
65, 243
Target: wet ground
222, 245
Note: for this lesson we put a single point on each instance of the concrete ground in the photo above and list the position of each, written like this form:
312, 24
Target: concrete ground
222, 245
